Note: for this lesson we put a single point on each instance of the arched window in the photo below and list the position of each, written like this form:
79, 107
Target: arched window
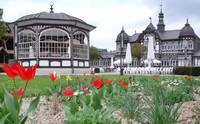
80, 45
26, 44
54, 43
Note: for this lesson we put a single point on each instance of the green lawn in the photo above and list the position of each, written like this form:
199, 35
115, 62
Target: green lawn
40, 84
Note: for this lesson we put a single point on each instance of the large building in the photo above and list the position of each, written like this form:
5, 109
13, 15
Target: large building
104, 59
179, 47
53, 41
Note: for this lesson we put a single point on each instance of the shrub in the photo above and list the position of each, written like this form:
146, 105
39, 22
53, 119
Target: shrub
195, 71
131, 106
97, 70
159, 112
90, 116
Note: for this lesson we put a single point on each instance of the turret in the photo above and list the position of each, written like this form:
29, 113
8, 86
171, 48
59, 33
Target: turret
161, 25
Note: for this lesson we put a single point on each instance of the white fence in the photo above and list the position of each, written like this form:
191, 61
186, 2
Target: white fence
143, 70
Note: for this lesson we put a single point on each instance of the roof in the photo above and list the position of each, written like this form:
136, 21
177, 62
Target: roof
49, 16
150, 28
169, 34
134, 37
125, 36
187, 30
52, 18
107, 55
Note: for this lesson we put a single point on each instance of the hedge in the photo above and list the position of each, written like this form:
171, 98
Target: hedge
194, 71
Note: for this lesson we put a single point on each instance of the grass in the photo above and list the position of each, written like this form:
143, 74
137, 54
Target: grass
40, 84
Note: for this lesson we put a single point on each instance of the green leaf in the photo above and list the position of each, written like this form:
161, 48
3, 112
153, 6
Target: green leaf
33, 105
24, 120
3, 119
73, 106
10, 105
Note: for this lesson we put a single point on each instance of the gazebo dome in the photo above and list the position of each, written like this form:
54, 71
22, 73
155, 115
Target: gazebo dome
187, 30
52, 18
125, 36
49, 16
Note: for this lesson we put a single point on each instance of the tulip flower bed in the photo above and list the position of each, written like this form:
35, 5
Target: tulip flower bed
94, 99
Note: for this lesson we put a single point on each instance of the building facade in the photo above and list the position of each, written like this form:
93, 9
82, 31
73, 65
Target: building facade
53, 41
180, 47
104, 60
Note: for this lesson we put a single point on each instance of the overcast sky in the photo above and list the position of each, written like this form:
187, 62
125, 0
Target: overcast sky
110, 15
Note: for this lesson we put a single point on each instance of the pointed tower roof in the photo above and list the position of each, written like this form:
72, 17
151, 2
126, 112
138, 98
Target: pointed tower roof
161, 25
187, 30
150, 28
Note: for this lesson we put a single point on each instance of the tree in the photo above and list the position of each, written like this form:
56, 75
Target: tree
94, 53
2, 34
138, 51
2, 26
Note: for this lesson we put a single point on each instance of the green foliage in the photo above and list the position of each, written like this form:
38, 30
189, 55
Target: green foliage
131, 107
159, 112
94, 53
73, 106
96, 101
90, 116
182, 93
150, 85
194, 71
114, 94
2, 25
97, 70
87, 109
10, 108
55, 88
138, 50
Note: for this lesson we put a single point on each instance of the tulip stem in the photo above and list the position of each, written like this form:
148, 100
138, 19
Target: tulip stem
14, 83
24, 90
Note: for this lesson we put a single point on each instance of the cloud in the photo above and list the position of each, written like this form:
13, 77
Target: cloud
110, 15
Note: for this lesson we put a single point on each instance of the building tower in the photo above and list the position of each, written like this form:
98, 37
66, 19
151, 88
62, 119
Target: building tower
161, 25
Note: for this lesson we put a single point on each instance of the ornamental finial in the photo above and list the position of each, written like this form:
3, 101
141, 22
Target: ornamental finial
161, 5
51, 7
150, 19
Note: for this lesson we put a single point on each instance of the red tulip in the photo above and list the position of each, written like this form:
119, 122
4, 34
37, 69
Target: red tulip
54, 76
28, 73
68, 92
125, 83
11, 71
97, 83
85, 89
19, 92
11, 93
106, 82
120, 81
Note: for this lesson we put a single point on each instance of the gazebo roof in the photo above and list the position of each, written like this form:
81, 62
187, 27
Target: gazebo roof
50, 16
53, 19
